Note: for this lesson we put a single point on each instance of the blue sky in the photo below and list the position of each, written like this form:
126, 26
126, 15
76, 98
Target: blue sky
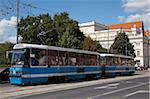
102, 11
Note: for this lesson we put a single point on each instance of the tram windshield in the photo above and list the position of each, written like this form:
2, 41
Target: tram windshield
20, 57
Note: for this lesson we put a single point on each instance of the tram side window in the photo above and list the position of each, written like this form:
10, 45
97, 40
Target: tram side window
119, 61
128, 62
63, 58
124, 62
103, 61
131, 62
52, 58
87, 60
80, 59
38, 57
72, 61
110, 61
27, 57
93, 60
115, 61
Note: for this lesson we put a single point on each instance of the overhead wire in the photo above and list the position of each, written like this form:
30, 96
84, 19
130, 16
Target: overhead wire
8, 8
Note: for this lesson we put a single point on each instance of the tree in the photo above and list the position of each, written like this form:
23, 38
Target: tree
122, 45
31, 26
89, 44
68, 29
7, 46
92, 45
59, 30
100, 49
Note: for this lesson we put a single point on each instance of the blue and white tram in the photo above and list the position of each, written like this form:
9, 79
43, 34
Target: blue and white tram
114, 64
32, 64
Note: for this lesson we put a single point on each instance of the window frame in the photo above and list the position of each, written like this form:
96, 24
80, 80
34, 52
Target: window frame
41, 66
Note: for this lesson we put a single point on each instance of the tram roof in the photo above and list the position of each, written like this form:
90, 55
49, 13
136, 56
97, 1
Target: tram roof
115, 55
19, 46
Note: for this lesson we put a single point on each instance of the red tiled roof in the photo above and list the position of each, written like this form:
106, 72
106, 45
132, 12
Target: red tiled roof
147, 33
128, 25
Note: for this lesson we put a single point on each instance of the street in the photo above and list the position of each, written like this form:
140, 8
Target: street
120, 87
129, 89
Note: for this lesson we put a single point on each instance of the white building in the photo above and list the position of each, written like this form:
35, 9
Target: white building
106, 35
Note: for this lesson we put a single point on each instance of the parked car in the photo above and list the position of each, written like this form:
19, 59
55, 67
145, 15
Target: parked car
138, 68
4, 75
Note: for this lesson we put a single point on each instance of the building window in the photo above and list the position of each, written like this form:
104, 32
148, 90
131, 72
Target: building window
138, 53
137, 44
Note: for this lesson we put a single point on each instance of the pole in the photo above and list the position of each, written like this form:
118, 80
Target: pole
126, 48
108, 41
17, 18
148, 50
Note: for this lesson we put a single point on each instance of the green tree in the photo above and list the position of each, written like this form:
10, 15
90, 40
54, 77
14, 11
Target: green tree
122, 45
7, 46
31, 26
68, 29
59, 30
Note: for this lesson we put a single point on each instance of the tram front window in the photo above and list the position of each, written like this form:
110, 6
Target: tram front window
20, 57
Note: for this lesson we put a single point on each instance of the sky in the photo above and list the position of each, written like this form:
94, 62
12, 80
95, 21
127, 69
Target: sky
101, 11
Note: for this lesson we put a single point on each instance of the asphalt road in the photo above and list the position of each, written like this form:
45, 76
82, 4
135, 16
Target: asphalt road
129, 89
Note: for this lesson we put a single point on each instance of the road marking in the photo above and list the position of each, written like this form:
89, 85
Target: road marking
136, 92
129, 82
115, 84
109, 86
115, 91
102, 87
134, 82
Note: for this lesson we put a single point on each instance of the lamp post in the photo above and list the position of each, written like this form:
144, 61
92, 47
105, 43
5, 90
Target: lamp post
126, 48
108, 41
17, 5
148, 51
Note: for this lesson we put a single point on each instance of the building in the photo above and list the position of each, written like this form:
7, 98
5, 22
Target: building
147, 46
105, 35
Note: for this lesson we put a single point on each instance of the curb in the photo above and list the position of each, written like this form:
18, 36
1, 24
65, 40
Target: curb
49, 88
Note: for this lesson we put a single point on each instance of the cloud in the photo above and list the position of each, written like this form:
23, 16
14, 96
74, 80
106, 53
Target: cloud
12, 39
137, 10
121, 19
132, 6
8, 29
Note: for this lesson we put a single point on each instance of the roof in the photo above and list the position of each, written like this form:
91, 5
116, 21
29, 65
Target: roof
128, 25
19, 46
90, 23
115, 55
147, 33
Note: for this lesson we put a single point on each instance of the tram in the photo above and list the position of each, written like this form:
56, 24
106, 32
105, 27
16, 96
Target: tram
33, 64
113, 64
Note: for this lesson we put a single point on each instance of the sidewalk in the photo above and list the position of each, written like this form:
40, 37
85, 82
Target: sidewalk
18, 91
